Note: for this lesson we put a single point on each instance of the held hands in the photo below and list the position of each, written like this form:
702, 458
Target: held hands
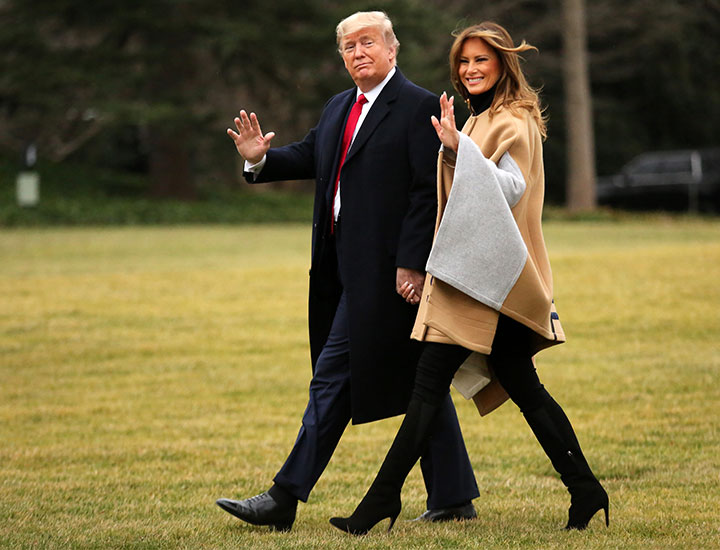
249, 139
409, 284
445, 127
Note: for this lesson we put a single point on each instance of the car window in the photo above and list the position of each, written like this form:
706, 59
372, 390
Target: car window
676, 165
644, 166
661, 164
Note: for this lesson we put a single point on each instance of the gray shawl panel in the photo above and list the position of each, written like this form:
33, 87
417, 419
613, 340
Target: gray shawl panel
478, 248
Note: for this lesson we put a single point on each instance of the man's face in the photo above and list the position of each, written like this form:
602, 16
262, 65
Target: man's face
366, 57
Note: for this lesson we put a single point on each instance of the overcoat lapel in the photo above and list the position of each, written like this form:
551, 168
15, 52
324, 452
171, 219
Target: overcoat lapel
374, 117
335, 132
377, 113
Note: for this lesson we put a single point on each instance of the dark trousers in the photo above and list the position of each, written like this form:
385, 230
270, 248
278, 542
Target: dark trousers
446, 468
511, 361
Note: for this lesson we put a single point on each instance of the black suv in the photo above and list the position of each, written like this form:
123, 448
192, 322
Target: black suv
666, 180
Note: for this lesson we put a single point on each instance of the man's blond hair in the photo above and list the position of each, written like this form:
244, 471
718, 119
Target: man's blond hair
363, 20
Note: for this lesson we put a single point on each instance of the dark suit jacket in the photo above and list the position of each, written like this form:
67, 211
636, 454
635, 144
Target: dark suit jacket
388, 193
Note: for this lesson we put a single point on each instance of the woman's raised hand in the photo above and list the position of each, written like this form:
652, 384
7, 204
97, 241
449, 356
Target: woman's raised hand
445, 127
249, 139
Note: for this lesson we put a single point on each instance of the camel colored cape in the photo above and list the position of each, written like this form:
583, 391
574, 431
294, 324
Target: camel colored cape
489, 253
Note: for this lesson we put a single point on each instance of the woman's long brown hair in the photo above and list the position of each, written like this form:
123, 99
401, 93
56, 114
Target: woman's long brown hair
513, 91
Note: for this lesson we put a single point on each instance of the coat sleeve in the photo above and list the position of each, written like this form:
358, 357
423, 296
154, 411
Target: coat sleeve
504, 173
295, 161
416, 232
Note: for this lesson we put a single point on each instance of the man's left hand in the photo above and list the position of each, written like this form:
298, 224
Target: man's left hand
409, 284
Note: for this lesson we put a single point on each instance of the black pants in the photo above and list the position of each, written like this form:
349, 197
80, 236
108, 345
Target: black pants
511, 361
445, 464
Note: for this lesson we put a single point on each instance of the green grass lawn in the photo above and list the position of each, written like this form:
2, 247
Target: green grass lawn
146, 372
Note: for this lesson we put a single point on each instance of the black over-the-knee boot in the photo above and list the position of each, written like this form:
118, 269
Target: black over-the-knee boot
436, 367
557, 438
383, 498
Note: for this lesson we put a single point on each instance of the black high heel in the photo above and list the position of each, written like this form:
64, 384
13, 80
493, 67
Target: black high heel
557, 438
382, 499
361, 521
585, 504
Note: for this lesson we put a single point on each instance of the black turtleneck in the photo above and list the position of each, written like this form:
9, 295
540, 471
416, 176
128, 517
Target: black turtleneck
481, 102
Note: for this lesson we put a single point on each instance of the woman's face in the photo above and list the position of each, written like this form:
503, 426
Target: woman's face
479, 68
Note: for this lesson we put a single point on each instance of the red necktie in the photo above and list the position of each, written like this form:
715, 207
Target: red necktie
347, 138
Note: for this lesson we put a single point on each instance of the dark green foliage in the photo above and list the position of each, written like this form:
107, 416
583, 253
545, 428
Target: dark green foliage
72, 195
148, 87
655, 76
243, 208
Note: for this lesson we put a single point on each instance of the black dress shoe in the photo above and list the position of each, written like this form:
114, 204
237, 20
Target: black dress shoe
456, 513
261, 509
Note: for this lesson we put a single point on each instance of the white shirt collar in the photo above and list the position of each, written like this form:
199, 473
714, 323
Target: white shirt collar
372, 95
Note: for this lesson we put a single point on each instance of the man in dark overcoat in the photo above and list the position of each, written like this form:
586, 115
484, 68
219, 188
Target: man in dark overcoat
373, 158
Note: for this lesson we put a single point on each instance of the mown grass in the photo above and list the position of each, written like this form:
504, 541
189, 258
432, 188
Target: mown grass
148, 371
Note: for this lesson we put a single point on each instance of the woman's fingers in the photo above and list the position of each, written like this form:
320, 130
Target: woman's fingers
447, 111
443, 105
409, 293
438, 127
446, 127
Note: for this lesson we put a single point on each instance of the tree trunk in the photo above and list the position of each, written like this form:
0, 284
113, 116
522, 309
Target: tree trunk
580, 184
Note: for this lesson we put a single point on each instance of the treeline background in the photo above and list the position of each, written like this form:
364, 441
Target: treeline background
135, 96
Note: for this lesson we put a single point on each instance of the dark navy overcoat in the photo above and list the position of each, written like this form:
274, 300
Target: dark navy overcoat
388, 208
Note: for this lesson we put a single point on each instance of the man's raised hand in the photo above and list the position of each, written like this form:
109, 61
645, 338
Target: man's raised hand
249, 139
